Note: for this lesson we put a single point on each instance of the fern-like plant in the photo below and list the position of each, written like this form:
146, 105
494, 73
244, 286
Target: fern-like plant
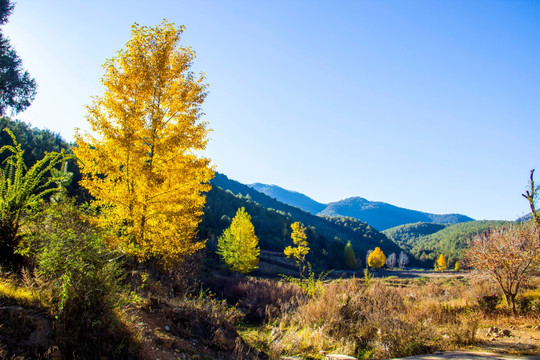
22, 188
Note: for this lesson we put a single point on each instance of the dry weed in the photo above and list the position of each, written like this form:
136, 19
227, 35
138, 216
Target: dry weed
376, 320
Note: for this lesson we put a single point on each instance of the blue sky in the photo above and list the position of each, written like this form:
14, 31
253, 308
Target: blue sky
429, 105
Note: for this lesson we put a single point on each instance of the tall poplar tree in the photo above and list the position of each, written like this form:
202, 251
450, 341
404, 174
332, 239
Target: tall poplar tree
141, 163
238, 246
350, 258
441, 263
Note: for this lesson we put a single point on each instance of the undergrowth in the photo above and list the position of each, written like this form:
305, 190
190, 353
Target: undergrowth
13, 290
370, 319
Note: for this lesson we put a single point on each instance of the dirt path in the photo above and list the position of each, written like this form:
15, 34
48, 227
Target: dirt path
471, 355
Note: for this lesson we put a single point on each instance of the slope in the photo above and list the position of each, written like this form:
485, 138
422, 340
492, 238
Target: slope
328, 235
407, 235
290, 197
450, 241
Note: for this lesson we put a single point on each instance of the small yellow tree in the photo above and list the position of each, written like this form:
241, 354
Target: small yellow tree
141, 162
457, 266
441, 263
376, 258
301, 249
238, 245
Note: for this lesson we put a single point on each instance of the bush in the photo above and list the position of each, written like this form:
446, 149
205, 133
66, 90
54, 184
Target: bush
529, 302
259, 299
488, 303
83, 277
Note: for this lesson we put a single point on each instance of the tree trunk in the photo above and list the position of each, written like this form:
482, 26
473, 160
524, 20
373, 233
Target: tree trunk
511, 301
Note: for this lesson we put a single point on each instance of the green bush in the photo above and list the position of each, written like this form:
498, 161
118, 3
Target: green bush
84, 278
529, 302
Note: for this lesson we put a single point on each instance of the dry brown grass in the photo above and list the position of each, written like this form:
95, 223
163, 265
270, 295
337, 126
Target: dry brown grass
380, 320
259, 299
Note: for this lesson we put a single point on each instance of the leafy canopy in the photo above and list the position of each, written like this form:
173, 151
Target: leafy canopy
141, 163
376, 258
441, 263
238, 245
17, 88
350, 258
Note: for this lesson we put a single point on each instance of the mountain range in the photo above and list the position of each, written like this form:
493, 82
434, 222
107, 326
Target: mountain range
379, 215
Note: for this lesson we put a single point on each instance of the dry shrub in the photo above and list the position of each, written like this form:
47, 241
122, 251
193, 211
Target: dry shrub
206, 323
377, 320
260, 299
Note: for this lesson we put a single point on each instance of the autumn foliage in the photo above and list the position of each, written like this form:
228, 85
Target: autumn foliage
300, 251
376, 258
141, 162
238, 246
441, 264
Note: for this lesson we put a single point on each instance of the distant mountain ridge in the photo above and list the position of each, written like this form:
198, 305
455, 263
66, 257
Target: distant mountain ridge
383, 216
379, 215
293, 198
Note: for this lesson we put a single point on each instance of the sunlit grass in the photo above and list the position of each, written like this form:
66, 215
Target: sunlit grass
21, 295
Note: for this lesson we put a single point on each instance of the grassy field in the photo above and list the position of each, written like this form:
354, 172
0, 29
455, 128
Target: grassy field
395, 316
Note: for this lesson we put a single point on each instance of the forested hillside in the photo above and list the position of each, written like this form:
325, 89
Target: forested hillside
362, 236
450, 241
407, 235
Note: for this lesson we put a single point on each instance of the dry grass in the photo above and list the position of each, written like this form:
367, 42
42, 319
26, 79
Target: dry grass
381, 320
261, 300
21, 292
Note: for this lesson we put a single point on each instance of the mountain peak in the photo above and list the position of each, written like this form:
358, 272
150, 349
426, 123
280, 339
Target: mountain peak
378, 214
290, 197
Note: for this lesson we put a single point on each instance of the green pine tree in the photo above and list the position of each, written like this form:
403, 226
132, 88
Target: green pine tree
350, 258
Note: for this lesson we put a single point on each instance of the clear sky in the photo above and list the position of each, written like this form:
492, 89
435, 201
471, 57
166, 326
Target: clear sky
429, 105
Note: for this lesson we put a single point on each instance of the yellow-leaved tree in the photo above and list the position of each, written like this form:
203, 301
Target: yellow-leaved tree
141, 162
301, 249
376, 258
238, 246
441, 263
